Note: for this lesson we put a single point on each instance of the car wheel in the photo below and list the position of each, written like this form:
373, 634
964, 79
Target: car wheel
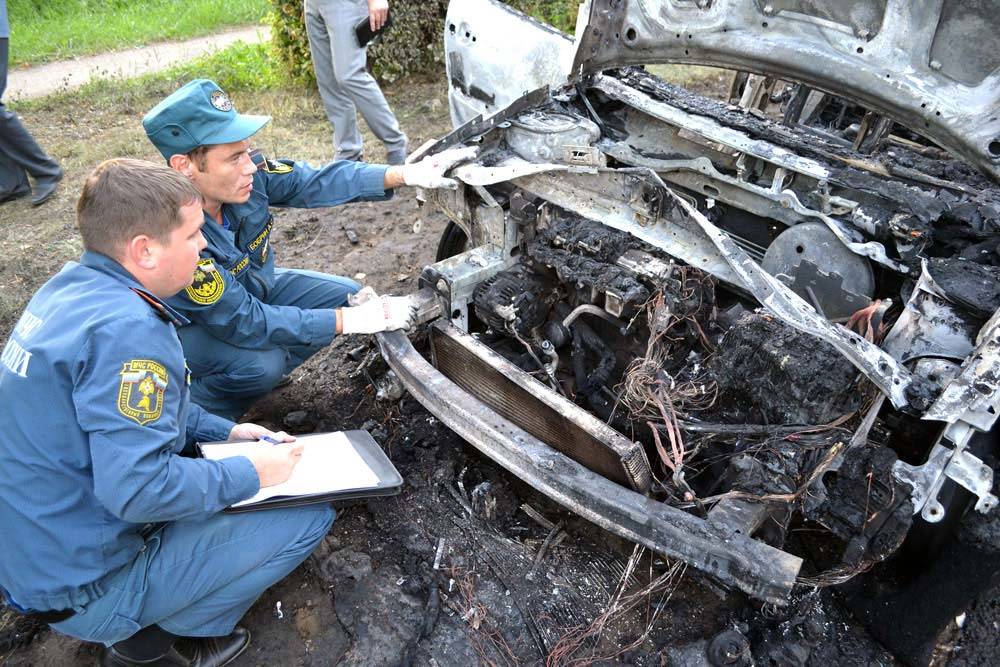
453, 242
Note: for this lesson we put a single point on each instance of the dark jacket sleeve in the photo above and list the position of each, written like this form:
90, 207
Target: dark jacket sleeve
297, 185
203, 426
234, 315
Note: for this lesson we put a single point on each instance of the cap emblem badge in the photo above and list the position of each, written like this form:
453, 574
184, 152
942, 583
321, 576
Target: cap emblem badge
221, 101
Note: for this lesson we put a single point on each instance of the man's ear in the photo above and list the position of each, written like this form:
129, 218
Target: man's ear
182, 163
142, 251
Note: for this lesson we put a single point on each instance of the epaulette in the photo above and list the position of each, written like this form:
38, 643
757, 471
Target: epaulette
157, 307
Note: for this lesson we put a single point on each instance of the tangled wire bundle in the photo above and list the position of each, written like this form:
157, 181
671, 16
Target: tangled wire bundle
650, 393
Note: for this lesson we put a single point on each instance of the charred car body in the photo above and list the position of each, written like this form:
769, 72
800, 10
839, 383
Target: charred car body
697, 323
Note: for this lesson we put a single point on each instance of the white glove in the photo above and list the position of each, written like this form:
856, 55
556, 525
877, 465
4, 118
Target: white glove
382, 313
364, 294
429, 172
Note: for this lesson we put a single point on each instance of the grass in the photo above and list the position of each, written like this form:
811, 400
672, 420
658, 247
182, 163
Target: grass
103, 119
45, 30
239, 67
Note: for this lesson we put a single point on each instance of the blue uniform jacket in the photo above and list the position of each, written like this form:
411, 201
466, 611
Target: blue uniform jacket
95, 410
229, 294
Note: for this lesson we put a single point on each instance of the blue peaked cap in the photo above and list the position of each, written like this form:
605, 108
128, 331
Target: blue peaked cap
198, 114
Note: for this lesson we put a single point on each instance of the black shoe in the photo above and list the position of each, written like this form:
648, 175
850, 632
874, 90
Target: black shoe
206, 652
45, 188
109, 657
14, 194
219, 651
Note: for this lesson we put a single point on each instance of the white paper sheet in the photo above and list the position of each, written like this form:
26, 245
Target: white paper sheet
329, 464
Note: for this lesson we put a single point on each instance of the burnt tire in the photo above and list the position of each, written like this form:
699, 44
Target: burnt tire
926, 540
453, 242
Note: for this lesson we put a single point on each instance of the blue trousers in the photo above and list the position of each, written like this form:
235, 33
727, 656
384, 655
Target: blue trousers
227, 379
198, 578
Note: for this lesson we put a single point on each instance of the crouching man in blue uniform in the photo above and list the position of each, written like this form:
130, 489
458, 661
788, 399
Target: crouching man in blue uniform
112, 535
251, 323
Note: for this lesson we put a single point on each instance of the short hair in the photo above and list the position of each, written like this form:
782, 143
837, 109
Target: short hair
123, 198
199, 156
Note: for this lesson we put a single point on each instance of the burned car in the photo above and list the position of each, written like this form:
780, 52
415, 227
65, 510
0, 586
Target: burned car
699, 323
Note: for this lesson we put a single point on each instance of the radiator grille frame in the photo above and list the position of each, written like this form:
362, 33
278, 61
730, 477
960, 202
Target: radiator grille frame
536, 408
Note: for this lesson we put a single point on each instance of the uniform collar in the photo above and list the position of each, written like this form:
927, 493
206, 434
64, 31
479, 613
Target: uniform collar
111, 267
214, 229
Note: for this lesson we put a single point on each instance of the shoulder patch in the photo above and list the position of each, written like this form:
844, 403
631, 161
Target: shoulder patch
277, 167
140, 392
208, 284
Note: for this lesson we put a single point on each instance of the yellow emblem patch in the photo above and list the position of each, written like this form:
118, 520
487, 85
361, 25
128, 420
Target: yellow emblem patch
140, 394
208, 284
276, 167
240, 265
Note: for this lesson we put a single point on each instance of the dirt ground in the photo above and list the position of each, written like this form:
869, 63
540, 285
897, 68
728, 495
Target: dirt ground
466, 565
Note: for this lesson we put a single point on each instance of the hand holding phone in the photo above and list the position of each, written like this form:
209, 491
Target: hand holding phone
378, 12
365, 31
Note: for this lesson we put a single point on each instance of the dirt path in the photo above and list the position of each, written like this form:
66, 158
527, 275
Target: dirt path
42, 80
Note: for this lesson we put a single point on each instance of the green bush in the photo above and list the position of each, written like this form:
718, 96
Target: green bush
413, 44
559, 14
288, 32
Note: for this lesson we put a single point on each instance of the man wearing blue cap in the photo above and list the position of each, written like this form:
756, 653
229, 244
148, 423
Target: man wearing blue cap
113, 536
252, 323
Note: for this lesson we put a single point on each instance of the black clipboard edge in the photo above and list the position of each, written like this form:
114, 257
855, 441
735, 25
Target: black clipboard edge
300, 501
390, 481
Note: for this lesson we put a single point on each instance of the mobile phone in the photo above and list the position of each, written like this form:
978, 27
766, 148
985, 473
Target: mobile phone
365, 34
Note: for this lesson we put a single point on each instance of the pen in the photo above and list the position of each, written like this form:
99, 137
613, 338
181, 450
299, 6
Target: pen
267, 438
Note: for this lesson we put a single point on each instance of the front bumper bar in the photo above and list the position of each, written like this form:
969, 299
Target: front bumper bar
728, 554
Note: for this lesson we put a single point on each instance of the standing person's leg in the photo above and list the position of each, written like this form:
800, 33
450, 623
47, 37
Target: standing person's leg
197, 578
20, 153
308, 289
13, 178
340, 109
350, 68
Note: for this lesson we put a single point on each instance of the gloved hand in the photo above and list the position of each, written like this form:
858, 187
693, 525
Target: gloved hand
429, 172
380, 313
364, 294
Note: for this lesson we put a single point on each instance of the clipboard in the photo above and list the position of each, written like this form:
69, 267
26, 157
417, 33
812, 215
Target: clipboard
340, 465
